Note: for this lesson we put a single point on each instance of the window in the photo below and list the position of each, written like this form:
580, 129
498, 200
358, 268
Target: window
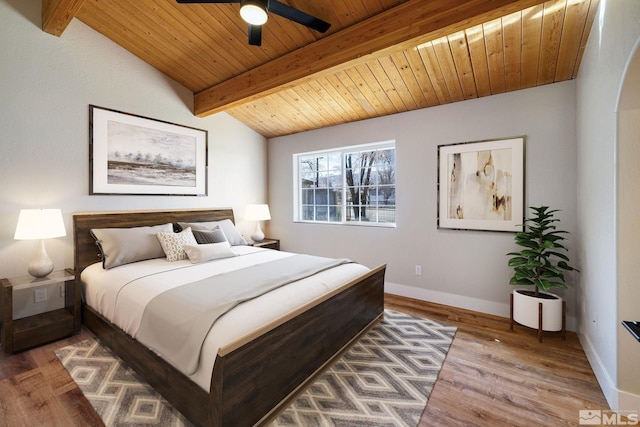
351, 185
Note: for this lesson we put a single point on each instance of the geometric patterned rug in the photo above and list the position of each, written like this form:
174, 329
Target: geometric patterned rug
383, 379
115, 391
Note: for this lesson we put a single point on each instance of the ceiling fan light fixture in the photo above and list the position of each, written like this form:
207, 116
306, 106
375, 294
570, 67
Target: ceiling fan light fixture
253, 12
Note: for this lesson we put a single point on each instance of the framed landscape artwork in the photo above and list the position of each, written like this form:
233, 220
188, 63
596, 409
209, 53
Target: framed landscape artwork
481, 185
130, 154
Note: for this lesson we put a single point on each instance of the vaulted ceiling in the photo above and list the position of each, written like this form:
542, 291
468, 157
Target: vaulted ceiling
379, 57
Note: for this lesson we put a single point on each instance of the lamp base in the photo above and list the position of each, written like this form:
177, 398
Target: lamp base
41, 265
258, 235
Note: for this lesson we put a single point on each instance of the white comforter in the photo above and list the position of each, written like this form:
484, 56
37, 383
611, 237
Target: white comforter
120, 294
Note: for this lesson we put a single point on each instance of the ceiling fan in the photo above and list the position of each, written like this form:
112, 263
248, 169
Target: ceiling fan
254, 13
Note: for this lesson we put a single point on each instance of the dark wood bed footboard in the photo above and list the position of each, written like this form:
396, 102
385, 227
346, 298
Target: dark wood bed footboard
252, 379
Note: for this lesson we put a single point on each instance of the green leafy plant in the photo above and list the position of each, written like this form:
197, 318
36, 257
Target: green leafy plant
541, 263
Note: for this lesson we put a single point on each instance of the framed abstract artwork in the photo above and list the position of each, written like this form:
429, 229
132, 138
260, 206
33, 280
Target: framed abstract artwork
481, 185
130, 154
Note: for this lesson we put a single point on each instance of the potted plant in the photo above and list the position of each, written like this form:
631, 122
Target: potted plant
541, 263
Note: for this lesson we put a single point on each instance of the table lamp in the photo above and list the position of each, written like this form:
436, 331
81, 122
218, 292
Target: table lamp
257, 213
40, 224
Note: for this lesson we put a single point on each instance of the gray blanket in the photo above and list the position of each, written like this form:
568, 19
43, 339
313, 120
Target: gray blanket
175, 323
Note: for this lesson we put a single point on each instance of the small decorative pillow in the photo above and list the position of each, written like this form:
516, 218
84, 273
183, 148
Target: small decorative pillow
173, 243
209, 251
233, 235
214, 236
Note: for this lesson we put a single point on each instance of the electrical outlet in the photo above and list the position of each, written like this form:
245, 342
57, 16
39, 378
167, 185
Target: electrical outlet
418, 270
40, 294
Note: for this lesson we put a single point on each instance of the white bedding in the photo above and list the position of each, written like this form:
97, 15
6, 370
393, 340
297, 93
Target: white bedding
120, 294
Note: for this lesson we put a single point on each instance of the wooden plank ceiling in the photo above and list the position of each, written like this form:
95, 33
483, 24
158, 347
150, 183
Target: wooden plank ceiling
379, 57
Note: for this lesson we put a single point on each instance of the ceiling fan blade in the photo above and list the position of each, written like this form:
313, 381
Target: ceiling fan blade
208, 1
298, 16
255, 35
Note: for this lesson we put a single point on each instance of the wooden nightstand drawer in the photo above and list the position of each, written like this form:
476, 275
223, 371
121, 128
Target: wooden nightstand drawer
42, 328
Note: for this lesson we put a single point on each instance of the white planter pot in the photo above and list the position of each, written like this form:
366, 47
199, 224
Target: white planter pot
525, 310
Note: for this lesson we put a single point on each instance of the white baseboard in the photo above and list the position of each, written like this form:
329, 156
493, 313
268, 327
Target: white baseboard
628, 402
606, 384
461, 301
619, 400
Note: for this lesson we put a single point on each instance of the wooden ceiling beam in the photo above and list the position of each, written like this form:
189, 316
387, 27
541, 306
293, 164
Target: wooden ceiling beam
57, 14
408, 24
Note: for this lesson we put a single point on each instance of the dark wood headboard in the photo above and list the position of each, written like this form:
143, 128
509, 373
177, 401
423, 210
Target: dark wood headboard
85, 249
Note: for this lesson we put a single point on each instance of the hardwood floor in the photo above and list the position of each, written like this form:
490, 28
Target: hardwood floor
36, 390
495, 377
491, 377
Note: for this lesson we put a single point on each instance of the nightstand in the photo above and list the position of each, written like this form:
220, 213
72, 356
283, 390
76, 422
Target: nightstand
267, 243
31, 331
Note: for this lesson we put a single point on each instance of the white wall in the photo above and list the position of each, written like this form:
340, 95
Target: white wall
46, 86
461, 268
611, 42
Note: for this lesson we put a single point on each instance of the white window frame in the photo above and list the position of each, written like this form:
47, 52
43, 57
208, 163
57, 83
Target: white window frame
297, 190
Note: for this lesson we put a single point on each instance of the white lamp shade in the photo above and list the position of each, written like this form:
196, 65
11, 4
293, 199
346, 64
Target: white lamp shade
39, 224
253, 13
257, 213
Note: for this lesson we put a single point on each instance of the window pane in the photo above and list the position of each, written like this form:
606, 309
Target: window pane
307, 173
307, 213
322, 213
321, 180
335, 162
352, 177
387, 176
387, 194
308, 197
335, 179
335, 213
373, 198
322, 163
322, 197
353, 195
373, 177
336, 197
308, 180
387, 214
351, 213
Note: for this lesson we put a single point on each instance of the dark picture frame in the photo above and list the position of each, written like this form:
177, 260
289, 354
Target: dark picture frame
481, 185
136, 155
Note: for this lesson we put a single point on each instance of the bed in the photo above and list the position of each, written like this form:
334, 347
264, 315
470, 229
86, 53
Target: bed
255, 374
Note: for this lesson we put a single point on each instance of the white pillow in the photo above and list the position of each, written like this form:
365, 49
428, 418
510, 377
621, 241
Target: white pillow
173, 243
228, 227
126, 245
208, 251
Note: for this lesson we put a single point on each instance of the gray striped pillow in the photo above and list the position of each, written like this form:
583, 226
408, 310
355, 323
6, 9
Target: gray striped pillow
212, 236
